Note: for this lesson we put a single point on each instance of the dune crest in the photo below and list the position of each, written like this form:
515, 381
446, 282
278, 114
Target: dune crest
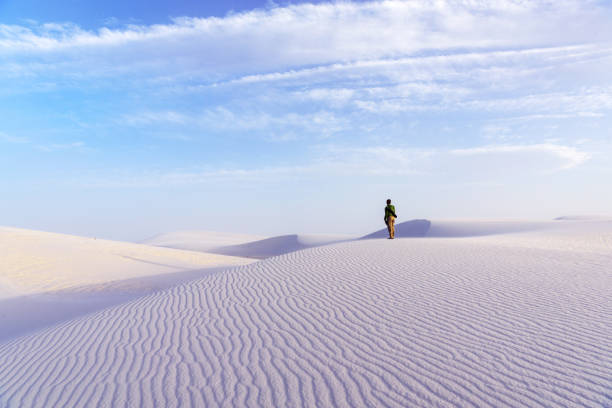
459, 228
37, 261
202, 241
280, 245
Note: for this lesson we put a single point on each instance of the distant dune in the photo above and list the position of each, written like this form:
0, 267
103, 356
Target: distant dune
200, 240
459, 228
584, 218
249, 246
243, 245
280, 245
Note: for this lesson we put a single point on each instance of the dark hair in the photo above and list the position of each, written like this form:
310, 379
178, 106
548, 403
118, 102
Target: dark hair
388, 201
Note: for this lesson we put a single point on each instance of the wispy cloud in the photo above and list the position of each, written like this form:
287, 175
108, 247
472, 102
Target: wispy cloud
447, 64
582, 102
307, 34
148, 118
54, 147
278, 126
570, 156
46, 147
4, 137
385, 57
370, 163
350, 87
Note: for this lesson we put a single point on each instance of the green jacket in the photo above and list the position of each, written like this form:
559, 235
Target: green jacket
390, 210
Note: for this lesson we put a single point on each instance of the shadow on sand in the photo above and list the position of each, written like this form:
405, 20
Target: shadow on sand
26, 314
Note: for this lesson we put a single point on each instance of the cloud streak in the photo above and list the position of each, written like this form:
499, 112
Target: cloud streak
570, 156
371, 163
309, 34
45, 147
386, 57
4, 137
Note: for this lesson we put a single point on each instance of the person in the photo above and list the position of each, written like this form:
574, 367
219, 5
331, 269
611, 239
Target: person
390, 217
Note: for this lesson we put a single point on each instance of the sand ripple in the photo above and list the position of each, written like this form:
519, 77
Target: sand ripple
405, 323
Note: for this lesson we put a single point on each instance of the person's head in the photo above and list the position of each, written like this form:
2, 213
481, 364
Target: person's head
389, 201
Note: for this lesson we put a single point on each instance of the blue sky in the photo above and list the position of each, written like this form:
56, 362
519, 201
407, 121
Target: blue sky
125, 120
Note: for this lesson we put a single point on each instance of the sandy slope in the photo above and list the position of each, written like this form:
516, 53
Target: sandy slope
484, 321
242, 245
280, 245
464, 228
36, 262
283, 244
261, 248
48, 278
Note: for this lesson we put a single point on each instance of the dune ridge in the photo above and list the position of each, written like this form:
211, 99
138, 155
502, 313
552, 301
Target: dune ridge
36, 261
279, 245
282, 244
47, 278
419, 322
202, 241
462, 228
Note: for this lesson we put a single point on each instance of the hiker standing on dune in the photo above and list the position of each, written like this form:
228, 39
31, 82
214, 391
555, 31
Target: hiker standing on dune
390, 219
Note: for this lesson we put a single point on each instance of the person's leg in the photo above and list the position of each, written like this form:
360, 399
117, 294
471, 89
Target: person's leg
392, 227
389, 226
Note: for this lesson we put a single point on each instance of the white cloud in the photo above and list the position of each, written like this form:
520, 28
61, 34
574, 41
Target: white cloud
313, 71
148, 118
336, 97
387, 57
46, 147
376, 160
306, 34
54, 147
4, 137
283, 126
497, 132
322, 122
395, 163
447, 66
570, 156
548, 116
584, 102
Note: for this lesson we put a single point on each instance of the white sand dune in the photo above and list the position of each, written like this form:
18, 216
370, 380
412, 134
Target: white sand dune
461, 228
46, 278
584, 218
250, 246
280, 245
202, 241
467, 322
241, 245
36, 261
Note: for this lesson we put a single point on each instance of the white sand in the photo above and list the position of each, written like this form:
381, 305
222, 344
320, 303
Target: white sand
512, 320
36, 262
464, 228
242, 245
48, 278
280, 245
